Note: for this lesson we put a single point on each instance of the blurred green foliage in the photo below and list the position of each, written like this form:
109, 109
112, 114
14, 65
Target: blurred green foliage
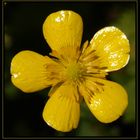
23, 30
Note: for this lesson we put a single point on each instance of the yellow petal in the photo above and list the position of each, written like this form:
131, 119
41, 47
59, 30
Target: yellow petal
54, 88
63, 29
30, 71
106, 100
112, 48
62, 110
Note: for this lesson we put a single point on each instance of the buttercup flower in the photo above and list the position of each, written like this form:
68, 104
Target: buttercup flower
75, 72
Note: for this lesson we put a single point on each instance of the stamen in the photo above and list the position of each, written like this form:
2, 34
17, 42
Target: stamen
101, 84
103, 68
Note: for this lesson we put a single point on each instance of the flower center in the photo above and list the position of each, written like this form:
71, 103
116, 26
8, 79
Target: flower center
74, 71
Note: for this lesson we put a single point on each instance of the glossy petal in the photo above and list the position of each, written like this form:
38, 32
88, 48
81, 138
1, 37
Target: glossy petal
63, 29
62, 110
106, 100
112, 47
30, 71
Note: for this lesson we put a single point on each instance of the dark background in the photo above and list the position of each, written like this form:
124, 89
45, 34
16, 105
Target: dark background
22, 24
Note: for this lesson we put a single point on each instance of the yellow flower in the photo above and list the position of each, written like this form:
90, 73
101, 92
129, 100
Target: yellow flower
75, 72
